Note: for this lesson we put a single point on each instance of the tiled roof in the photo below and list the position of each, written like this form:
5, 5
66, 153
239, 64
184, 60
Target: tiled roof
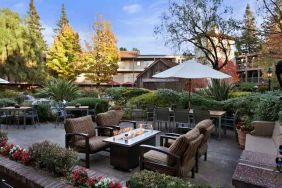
129, 54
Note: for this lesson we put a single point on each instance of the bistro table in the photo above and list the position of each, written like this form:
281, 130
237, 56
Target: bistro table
14, 110
218, 114
77, 108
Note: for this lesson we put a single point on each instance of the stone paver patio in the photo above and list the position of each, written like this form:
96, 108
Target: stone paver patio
216, 171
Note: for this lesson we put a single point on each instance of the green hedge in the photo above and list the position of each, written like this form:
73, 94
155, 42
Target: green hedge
122, 94
7, 102
102, 105
246, 86
149, 179
167, 98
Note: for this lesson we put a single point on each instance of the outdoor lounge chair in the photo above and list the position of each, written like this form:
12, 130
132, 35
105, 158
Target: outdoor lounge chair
205, 126
112, 119
177, 160
81, 136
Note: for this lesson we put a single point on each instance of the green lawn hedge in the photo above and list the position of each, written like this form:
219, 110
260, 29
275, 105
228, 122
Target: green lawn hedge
92, 102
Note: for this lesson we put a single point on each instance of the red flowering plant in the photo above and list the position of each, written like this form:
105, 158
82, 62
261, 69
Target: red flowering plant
79, 177
5, 150
3, 138
16, 153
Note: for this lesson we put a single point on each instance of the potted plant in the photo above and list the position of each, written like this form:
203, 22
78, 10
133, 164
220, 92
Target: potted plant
243, 127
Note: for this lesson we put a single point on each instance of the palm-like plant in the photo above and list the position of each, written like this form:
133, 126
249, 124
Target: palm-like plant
217, 90
60, 90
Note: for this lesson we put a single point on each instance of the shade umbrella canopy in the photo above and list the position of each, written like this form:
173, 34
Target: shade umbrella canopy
2, 81
191, 69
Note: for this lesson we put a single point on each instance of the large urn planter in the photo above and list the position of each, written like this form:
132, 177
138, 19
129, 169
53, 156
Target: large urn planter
241, 138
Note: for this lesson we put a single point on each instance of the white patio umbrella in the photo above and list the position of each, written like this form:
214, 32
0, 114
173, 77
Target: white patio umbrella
2, 81
189, 70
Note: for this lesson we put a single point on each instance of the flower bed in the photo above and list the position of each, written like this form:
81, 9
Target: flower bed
18, 162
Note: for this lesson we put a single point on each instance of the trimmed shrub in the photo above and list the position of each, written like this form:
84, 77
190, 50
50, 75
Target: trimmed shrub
44, 112
7, 102
53, 158
149, 179
8, 93
268, 108
143, 100
235, 94
89, 93
101, 105
122, 94
246, 86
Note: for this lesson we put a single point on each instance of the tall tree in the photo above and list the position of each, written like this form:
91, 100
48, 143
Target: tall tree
63, 19
273, 16
63, 58
36, 45
249, 41
12, 46
205, 24
102, 54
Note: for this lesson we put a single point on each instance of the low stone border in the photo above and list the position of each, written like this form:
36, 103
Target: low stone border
36, 178
29, 176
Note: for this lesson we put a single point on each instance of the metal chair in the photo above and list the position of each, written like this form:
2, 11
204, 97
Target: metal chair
33, 115
200, 115
162, 115
150, 112
181, 119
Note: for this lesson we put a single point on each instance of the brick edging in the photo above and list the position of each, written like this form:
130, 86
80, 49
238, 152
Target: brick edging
30, 176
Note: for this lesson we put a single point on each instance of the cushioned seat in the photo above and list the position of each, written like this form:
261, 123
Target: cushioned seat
260, 144
156, 156
96, 143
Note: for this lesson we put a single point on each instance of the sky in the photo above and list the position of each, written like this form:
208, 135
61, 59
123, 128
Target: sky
133, 21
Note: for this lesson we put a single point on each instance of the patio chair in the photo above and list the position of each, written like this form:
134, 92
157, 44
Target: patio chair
81, 136
150, 108
61, 116
177, 160
112, 119
32, 114
200, 115
162, 115
181, 119
205, 127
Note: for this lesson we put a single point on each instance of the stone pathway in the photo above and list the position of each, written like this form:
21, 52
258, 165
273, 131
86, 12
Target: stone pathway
216, 171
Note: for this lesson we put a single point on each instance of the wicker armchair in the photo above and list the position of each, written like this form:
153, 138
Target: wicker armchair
112, 119
177, 160
81, 136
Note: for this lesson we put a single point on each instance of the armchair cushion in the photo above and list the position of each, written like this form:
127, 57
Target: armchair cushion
96, 143
178, 148
156, 156
80, 125
109, 118
203, 125
262, 128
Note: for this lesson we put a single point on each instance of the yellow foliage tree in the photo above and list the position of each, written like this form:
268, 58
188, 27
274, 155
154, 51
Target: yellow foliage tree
102, 54
64, 56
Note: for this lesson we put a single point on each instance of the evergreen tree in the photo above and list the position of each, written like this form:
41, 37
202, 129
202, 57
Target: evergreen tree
63, 19
102, 55
249, 41
64, 55
36, 45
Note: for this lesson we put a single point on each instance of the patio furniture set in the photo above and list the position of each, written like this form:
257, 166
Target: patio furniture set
17, 114
130, 147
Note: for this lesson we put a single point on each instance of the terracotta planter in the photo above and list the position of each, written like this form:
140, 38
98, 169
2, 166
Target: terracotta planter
241, 138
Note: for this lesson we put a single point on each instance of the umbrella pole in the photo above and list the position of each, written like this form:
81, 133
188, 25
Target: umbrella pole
189, 88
